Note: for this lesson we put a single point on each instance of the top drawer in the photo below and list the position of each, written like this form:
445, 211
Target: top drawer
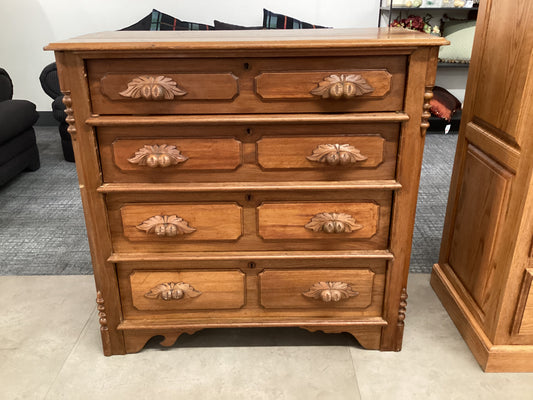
254, 85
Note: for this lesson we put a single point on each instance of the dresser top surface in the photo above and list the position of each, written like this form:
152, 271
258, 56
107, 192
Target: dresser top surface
248, 39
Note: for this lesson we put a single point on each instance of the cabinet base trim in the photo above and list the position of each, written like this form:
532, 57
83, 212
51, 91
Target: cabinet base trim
491, 357
367, 333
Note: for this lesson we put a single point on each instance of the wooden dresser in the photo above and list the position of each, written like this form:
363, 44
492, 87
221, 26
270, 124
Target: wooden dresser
249, 178
484, 276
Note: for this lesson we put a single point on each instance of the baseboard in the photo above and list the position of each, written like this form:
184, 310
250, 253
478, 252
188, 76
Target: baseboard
46, 118
491, 358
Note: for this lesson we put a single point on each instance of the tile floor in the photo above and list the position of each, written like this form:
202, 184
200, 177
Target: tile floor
50, 349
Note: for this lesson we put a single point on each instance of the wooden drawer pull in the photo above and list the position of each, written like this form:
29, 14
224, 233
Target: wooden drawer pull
158, 156
172, 291
347, 87
335, 154
152, 88
333, 223
330, 291
166, 225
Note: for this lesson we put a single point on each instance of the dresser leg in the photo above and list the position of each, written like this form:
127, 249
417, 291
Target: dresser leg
368, 337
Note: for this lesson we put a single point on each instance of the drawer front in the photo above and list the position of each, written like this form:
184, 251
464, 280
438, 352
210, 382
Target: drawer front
241, 85
331, 288
318, 221
252, 289
187, 290
174, 223
250, 221
246, 153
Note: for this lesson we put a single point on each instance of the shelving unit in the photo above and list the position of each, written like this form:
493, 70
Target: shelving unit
463, 12
450, 73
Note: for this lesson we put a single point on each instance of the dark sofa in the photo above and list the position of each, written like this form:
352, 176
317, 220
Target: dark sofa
18, 148
50, 84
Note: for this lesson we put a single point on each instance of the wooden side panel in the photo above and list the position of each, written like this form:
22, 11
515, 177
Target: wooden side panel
295, 152
482, 204
209, 221
279, 221
203, 290
286, 289
499, 103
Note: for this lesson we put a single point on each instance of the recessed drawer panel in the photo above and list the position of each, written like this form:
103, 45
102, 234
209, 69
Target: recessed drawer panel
187, 290
168, 155
320, 152
332, 288
353, 85
182, 222
247, 85
318, 221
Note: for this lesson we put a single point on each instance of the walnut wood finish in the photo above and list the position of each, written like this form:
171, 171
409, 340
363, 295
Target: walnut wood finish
483, 276
243, 179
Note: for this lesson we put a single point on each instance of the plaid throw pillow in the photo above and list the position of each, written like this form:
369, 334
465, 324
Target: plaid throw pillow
223, 26
279, 21
158, 21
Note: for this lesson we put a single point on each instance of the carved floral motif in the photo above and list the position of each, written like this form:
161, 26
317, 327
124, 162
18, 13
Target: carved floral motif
158, 156
344, 86
166, 225
330, 291
334, 154
333, 223
172, 291
153, 88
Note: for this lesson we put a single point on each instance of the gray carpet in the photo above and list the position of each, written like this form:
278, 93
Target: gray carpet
42, 230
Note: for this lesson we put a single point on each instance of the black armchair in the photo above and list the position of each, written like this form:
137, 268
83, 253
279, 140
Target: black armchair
50, 84
18, 148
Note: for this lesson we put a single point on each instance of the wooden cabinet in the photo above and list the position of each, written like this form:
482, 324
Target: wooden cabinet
249, 179
485, 268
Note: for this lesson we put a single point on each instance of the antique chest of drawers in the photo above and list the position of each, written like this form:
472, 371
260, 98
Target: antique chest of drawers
249, 179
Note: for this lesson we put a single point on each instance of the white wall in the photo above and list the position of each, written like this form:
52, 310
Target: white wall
28, 25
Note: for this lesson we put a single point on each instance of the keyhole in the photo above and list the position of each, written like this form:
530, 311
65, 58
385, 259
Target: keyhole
246, 66
251, 265
248, 131
248, 197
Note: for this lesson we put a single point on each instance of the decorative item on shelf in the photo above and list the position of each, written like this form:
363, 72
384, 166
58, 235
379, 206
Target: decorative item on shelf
417, 23
432, 3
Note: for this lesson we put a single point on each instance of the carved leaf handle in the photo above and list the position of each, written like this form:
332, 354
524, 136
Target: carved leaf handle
152, 88
344, 86
333, 223
172, 291
334, 154
166, 225
158, 156
330, 291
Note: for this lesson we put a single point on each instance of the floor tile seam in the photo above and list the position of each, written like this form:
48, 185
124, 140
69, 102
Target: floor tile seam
351, 353
92, 315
